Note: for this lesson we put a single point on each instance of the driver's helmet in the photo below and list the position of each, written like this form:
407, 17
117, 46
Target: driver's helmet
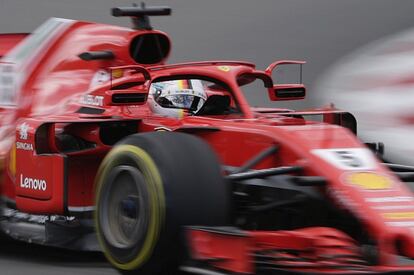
175, 98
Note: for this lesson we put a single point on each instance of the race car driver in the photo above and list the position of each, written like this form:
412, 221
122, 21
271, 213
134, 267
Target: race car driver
177, 98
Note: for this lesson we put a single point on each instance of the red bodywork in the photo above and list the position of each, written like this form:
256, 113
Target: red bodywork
55, 96
9, 41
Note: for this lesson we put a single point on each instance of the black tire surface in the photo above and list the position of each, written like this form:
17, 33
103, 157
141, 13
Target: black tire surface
194, 191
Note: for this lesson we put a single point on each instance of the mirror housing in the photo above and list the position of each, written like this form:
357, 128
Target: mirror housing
126, 97
292, 91
287, 92
129, 86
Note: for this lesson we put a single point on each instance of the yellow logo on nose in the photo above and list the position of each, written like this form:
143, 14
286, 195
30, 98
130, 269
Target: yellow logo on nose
399, 215
369, 181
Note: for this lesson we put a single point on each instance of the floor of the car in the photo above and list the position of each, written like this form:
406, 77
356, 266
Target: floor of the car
57, 231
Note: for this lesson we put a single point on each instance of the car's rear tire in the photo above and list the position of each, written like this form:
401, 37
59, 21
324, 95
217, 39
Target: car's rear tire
148, 187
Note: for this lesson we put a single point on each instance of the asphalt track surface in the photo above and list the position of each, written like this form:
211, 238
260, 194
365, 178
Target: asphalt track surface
18, 258
320, 31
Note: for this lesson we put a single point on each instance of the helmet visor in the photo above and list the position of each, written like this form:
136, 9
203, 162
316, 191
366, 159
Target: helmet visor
189, 102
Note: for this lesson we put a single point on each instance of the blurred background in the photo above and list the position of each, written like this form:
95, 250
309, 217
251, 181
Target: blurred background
318, 31
325, 33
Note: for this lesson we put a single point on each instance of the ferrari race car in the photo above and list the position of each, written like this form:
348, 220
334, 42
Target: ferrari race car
165, 168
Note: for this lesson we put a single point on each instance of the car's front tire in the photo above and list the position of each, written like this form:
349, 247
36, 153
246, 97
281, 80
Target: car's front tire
148, 187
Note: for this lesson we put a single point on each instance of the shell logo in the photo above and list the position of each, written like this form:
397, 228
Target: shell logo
224, 68
369, 181
117, 73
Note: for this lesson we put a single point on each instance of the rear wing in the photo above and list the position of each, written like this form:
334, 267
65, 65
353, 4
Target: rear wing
9, 40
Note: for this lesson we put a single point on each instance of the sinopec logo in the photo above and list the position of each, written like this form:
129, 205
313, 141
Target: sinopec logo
34, 184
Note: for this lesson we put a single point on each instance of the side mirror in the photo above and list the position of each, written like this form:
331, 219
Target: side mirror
294, 90
124, 82
287, 92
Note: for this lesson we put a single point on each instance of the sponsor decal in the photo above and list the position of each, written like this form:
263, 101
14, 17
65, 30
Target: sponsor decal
117, 73
369, 181
24, 146
100, 78
23, 130
81, 208
162, 129
401, 224
393, 207
391, 199
33, 184
399, 215
224, 68
348, 158
92, 100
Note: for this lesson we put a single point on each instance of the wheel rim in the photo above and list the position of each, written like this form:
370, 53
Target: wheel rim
124, 208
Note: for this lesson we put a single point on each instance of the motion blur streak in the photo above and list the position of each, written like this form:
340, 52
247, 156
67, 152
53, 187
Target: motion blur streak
376, 84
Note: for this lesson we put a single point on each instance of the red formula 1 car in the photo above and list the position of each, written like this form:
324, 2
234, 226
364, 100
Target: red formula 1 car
166, 168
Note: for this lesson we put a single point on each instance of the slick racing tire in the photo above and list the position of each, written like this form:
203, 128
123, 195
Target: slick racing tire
148, 187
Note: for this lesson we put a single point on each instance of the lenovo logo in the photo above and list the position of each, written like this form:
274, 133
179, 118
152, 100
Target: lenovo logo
34, 184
